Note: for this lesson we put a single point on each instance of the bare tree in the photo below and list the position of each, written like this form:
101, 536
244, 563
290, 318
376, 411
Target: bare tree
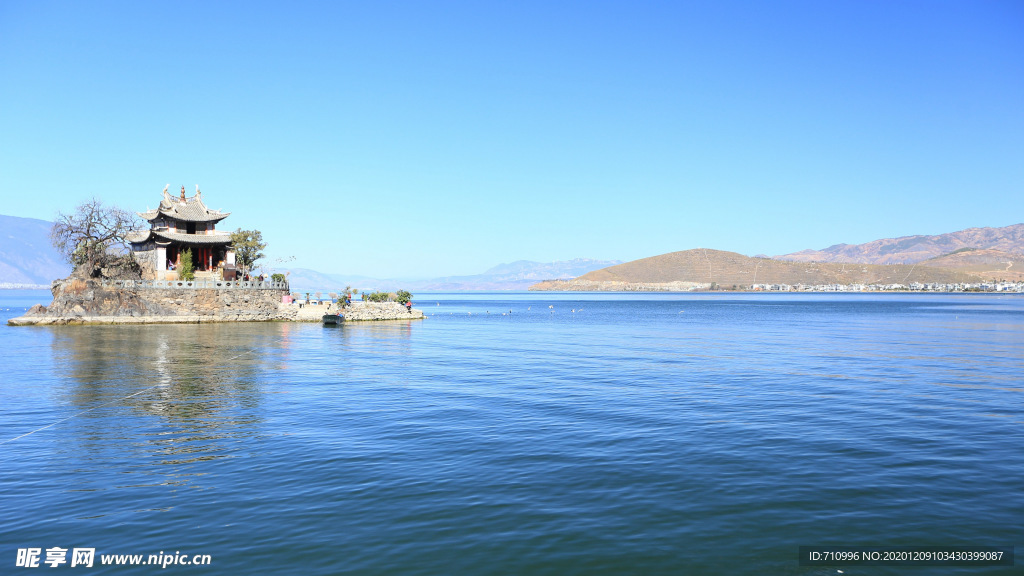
94, 237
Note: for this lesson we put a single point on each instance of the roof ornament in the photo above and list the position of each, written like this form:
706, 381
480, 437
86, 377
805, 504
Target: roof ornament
167, 196
182, 192
197, 191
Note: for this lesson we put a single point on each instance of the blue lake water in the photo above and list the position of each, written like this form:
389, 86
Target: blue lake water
523, 434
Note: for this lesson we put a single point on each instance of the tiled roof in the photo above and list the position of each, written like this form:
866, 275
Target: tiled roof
137, 236
191, 210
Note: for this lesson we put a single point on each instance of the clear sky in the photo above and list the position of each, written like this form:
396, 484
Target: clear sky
435, 138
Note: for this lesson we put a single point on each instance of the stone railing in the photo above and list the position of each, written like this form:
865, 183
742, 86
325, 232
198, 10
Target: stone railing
197, 284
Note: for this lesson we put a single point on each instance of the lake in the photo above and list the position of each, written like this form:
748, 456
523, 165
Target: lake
522, 433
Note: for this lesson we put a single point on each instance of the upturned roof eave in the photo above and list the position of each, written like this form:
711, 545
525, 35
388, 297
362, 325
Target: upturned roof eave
154, 214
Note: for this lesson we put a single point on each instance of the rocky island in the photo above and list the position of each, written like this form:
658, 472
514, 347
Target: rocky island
180, 270
78, 301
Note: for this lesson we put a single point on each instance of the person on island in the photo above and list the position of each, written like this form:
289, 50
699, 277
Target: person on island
408, 306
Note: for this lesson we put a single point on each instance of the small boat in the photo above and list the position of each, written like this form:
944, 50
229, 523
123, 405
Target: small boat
333, 319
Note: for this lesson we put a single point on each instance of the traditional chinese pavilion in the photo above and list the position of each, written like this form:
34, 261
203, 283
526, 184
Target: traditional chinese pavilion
180, 224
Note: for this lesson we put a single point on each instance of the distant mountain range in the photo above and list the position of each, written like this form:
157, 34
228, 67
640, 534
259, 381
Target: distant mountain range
517, 275
914, 249
972, 255
26, 254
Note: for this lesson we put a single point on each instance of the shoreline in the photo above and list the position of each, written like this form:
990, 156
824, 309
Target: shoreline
153, 320
310, 314
715, 288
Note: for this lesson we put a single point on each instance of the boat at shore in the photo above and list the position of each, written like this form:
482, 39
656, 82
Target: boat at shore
333, 319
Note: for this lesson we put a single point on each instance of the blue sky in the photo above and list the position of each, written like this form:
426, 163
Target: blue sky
436, 138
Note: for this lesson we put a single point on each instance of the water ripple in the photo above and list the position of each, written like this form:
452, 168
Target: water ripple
626, 437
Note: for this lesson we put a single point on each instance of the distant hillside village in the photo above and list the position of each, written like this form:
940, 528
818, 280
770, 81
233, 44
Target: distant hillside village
584, 285
912, 287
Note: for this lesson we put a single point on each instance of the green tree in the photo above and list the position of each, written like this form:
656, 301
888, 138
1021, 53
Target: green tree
377, 296
187, 271
248, 246
403, 297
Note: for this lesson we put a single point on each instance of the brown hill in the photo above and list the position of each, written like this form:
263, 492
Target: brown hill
990, 264
729, 268
913, 249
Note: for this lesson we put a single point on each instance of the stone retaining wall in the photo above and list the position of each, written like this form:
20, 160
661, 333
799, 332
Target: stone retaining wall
77, 301
239, 305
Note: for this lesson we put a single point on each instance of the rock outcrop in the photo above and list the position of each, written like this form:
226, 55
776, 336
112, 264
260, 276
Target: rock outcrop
355, 312
364, 311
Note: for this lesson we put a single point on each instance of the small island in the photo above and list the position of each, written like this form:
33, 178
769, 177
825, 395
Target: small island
182, 269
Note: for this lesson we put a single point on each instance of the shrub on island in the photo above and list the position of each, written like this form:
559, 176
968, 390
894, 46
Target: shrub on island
402, 296
187, 271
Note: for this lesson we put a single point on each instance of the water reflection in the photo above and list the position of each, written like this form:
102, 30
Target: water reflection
172, 395
383, 348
